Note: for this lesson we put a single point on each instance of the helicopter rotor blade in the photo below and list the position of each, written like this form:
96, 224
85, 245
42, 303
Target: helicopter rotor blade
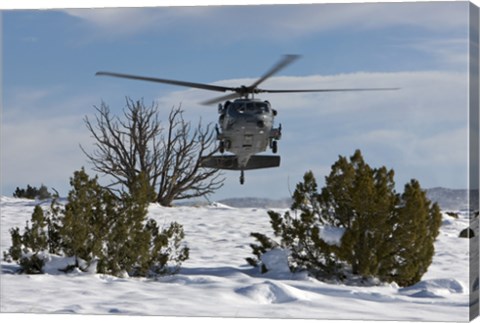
326, 90
287, 59
242, 91
173, 82
222, 98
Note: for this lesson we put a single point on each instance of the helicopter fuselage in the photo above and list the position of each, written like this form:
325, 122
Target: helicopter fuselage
246, 128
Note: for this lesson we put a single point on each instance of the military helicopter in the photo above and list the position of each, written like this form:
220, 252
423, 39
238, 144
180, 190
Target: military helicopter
246, 123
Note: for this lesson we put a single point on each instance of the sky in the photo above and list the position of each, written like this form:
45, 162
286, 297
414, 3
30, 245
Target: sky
50, 57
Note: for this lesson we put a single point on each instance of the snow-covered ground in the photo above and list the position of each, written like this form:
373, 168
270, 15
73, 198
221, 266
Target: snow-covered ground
217, 282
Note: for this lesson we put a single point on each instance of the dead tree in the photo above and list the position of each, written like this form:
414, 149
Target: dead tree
169, 155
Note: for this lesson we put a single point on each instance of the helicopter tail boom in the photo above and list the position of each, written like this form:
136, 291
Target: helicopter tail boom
231, 162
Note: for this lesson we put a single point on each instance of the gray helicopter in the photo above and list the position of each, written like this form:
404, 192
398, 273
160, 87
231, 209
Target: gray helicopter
246, 124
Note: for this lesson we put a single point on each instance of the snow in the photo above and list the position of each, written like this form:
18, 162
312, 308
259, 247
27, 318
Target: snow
434, 288
217, 281
332, 235
276, 261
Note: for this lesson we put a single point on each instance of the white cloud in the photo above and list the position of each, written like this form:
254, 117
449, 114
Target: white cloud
45, 150
275, 22
119, 20
448, 53
370, 16
128, 21
40, 136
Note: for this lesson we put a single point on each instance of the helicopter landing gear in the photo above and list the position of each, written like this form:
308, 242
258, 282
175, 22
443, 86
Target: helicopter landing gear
224, 144
221, 147
242, 177
274, 147
275, 135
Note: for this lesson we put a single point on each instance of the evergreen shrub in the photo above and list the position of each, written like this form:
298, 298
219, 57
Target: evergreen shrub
385, 236
32, 193
103, 233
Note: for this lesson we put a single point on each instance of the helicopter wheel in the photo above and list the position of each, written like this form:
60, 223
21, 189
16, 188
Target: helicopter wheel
221, 147
242, 178
274, 147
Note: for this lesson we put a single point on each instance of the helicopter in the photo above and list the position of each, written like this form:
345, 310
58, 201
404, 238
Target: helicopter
246, 125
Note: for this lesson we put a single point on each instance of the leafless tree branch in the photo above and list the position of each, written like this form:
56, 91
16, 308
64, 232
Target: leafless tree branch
170, 155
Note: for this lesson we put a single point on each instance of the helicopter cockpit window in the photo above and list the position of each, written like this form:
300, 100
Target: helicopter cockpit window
261, 107
250, 107
240, 107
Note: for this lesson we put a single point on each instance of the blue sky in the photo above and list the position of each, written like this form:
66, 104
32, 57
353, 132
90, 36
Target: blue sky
50, 58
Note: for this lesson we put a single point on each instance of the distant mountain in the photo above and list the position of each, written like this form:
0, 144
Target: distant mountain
447, 199
261, 203
452, 199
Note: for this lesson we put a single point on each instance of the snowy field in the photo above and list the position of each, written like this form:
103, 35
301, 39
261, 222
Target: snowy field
217, 282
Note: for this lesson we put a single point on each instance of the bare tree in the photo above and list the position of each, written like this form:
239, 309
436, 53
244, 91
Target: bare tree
169, 156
